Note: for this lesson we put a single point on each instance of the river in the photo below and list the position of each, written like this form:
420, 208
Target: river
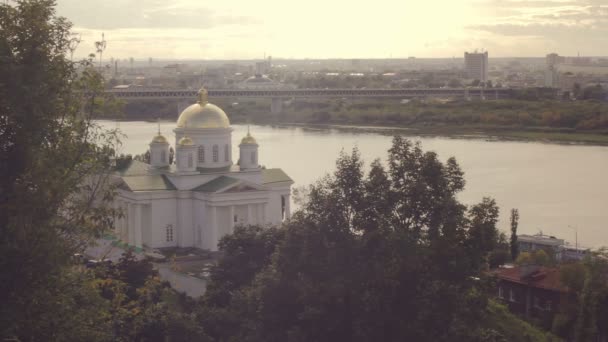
556, 188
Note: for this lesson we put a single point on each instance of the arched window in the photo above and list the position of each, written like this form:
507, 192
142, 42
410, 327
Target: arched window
201, 154
189, 159
216, 153
169, 233
163, 156
254, 158
226, 153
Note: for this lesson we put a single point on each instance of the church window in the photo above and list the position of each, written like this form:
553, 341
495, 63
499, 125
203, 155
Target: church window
169, 233
163, 156
283, 207
254, 158
236, 218
190, 160
226, 152
216, 153
201, 154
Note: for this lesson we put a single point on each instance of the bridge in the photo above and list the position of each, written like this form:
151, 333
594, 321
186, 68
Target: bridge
278, 95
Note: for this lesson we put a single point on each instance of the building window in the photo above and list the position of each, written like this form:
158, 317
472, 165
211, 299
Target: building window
169, 233
512, 295
236, 218
501, 293
163, 156
283, 207
537, 302
190, 160
201, 154
215, 154
253, 158
548, 305
226, 153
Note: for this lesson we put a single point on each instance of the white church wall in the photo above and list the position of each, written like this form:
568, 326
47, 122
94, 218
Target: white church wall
224, 222
185, 231
163, 213
146, 222
201, 235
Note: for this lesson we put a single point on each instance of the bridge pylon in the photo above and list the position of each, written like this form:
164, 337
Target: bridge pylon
182, 104
276, 106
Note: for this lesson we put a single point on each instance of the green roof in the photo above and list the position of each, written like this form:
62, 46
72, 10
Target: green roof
133, 168
148, 183
217, 184
270, 176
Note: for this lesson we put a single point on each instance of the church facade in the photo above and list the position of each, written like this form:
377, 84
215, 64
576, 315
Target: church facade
203, 195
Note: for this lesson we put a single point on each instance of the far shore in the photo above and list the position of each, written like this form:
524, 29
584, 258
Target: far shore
457, 132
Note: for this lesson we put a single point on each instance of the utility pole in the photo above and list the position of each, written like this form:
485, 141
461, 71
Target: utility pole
100, 46
73, 44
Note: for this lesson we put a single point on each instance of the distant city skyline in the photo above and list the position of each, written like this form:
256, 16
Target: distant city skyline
241, 29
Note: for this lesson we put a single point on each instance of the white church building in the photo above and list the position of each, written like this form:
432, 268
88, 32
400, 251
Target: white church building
200, 198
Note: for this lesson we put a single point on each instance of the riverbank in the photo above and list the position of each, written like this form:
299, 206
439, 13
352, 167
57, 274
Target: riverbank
492, 133
570, 122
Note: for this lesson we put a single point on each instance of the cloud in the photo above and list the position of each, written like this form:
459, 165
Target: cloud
121, 14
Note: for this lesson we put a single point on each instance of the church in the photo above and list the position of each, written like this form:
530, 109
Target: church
203, 195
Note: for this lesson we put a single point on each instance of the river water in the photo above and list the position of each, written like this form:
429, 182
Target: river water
554, 186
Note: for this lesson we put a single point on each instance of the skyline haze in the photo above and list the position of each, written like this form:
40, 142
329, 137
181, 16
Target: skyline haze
239, 29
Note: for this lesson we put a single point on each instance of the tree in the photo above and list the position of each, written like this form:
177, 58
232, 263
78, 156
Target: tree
454, 83
513, 242
54, 161
576, 90
539, 258
594, 92
366, 253
482, 231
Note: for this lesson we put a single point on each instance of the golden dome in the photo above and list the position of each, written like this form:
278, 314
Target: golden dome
185, 141
203, 115
248, 140
159, 139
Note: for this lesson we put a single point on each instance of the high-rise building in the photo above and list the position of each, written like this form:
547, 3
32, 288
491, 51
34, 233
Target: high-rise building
554, 59
476, 65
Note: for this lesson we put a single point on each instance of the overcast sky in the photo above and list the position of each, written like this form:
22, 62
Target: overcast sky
246, 29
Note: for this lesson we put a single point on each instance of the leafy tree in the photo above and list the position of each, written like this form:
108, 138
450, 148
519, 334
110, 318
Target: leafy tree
576, 90
142, 308
539, 257
594, 92
482, 232
454, 83
53, 163
378, 256
513, 243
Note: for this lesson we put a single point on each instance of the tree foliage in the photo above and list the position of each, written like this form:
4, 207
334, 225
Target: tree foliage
513, 242
53, 163
382, 255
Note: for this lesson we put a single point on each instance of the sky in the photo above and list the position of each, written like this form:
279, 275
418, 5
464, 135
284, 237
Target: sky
247, 29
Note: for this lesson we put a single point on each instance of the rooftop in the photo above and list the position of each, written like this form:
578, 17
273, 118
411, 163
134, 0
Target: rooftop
541, 239
547, 278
